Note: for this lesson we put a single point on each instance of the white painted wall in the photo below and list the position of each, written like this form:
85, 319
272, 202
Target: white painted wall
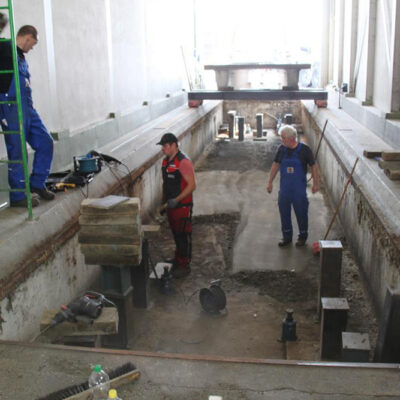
100, 56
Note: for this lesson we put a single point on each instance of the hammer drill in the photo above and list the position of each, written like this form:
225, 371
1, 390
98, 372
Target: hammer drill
85, 308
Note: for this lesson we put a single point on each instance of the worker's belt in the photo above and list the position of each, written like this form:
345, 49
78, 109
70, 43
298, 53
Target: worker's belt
184, 205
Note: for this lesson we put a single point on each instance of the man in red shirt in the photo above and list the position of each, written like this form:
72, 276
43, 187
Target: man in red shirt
178, 186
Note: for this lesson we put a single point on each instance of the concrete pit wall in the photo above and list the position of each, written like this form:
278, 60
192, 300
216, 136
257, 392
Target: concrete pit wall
371, 236
62, 273
249, 108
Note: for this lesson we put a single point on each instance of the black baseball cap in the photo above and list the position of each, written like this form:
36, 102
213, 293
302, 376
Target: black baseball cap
168, 138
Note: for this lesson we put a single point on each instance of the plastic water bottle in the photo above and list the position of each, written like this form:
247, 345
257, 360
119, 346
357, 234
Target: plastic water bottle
112, 394
99, 381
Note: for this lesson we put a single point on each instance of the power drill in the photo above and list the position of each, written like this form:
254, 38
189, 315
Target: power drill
85, 308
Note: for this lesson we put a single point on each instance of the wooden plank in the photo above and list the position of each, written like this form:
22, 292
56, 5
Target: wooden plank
372, 153
110, 249
108, 239
111, 230
393, 174
108, 202
105, 324
109, 219
131, 205
391, 156
389, 164
116, 260
150, 228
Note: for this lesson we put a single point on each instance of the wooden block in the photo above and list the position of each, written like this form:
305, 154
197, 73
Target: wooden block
109, 219
108, 202
108, 234
129, 206
389, 164
110, 249
393, 174
391, 155
116, 260
150, 229
372, 153
105, 324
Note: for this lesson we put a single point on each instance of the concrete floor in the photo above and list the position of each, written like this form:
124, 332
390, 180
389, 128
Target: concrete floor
235, 236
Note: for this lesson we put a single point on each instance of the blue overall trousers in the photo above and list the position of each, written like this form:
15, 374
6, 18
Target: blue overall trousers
36, 135
293, 192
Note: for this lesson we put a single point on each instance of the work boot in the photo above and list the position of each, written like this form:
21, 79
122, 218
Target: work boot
300, 242
43, 193
284, 242
24, 202
180, 272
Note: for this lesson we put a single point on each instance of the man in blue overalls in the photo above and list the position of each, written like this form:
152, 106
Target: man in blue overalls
292, 160
36, 133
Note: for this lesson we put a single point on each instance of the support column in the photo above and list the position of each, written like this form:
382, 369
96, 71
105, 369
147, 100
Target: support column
259, 120
241, 128
330, 269
333, 323
231, 122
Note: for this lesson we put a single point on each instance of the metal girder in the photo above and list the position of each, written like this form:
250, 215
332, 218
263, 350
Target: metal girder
258, 95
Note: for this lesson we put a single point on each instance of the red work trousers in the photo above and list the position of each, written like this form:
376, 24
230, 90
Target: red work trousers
180, 222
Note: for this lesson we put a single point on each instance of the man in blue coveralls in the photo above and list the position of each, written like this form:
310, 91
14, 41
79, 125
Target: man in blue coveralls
36, 133
292, 159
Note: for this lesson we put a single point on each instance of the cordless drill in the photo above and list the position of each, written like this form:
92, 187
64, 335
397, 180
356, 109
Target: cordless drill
85, 308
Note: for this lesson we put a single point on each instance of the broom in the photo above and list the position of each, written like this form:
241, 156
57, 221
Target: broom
315, 246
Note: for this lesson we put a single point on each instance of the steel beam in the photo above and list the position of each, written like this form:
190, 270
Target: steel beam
261, 95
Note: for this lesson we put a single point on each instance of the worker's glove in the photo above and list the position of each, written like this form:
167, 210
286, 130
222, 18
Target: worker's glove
172, 203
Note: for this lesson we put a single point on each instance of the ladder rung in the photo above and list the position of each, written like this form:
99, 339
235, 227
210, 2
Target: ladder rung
10, 132
4, 39
8, 102
7, 71
11, 161
4, 7
12, 190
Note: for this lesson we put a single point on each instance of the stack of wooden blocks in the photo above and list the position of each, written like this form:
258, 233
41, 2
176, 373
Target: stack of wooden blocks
110, 231
388, 161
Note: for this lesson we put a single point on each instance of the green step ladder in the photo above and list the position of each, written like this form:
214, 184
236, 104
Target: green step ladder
20, 132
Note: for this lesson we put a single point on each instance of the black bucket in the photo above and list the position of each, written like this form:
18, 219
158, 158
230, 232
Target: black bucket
212, 299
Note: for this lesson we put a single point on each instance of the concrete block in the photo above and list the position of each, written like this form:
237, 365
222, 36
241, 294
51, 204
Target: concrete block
355, 347
388, 344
